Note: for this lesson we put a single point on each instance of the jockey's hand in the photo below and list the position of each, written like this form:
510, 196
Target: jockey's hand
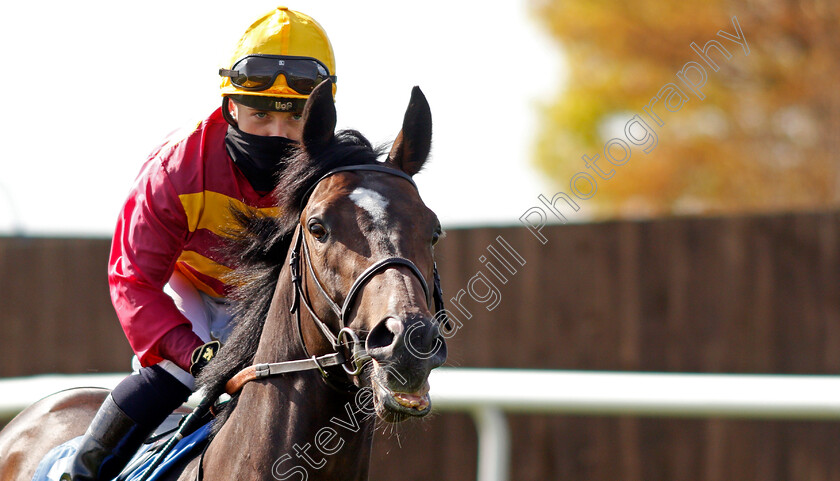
202, 355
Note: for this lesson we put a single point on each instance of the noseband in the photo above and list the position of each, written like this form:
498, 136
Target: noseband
345, 336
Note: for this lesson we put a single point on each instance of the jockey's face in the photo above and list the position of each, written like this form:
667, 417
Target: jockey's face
267, 122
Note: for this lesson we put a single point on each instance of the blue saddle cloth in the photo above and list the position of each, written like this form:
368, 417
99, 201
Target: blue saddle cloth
57, 461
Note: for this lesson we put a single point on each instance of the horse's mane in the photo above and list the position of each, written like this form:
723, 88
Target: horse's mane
257, 251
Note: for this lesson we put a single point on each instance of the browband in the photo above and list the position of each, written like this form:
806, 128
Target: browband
347, 168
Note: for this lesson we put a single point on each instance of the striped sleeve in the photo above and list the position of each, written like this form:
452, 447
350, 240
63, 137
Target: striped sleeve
150, 234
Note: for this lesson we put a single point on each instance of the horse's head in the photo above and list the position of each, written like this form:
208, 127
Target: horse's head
369, 239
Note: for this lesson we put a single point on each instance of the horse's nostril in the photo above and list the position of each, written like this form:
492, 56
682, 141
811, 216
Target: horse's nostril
384, 333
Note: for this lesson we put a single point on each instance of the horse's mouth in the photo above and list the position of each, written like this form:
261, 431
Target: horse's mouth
396, 406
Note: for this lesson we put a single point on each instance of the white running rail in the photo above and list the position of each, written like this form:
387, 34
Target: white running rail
488, 393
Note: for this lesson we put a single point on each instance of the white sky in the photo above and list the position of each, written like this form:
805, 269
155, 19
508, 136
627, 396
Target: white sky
90, 88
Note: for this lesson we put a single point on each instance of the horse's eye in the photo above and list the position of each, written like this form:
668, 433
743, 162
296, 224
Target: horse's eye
316, 228
436, 237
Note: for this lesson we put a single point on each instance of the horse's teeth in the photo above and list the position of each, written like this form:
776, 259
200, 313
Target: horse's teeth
412, 401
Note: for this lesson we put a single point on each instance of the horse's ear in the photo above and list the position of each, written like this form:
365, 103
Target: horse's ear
414, 142
319, 118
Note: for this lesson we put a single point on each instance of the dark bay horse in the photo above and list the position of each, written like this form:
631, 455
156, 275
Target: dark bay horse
344, 281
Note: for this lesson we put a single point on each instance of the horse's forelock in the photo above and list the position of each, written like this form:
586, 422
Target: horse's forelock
349, 147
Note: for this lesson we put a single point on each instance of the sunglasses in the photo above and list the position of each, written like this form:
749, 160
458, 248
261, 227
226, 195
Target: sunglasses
258, 72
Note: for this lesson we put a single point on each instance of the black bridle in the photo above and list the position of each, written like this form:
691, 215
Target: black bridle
345, 336
300, 250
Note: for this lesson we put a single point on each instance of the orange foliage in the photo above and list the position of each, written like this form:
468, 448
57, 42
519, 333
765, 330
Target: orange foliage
765, 136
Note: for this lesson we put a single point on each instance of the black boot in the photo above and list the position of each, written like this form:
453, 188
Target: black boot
107, 446
136, 406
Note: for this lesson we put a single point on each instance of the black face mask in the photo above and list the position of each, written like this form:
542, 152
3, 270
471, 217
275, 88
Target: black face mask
259, 157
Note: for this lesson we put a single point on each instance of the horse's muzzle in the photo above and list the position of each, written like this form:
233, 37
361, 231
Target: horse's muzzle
405, 352
415, 343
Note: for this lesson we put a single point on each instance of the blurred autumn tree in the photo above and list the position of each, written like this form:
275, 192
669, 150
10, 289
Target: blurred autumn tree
766, 136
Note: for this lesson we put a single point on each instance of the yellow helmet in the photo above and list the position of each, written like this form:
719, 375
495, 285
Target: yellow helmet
284, 54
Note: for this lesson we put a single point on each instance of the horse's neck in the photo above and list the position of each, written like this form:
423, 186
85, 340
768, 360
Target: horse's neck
290, 424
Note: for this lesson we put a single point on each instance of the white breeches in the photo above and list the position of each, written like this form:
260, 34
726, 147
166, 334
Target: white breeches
210, 317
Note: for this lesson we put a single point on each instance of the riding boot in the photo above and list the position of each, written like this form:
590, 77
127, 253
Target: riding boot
108, 445
133, 410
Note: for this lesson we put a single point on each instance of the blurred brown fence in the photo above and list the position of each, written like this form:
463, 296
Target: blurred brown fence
754, 294
55, 309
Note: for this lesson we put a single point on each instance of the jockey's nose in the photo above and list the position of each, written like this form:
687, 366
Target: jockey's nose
285, 126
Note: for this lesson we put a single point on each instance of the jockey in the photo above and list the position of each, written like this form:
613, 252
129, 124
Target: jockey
166, 279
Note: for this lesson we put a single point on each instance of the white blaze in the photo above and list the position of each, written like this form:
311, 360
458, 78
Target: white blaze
371, 202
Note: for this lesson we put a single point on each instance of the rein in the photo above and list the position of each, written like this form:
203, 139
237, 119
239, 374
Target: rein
345, 336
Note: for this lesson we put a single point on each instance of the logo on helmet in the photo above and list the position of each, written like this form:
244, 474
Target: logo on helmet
283, 106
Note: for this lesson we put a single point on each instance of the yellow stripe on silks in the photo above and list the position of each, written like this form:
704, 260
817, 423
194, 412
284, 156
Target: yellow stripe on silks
211, 211
204, 265
201, 286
